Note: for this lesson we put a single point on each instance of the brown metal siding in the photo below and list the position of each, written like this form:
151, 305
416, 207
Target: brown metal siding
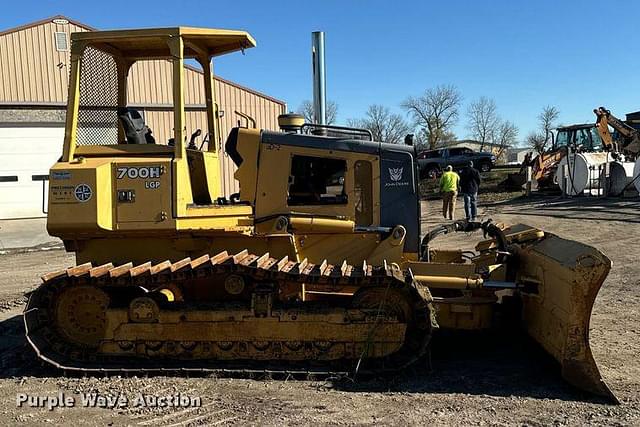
32, 71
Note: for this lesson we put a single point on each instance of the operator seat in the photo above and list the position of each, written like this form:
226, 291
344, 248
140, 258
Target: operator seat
231, 147
134, 128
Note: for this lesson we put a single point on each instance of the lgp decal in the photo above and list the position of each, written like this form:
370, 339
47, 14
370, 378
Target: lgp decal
82, 192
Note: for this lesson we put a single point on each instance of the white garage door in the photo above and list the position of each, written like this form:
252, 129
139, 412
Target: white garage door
26, 154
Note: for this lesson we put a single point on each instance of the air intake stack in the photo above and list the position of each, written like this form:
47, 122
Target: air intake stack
290, 123
319, 78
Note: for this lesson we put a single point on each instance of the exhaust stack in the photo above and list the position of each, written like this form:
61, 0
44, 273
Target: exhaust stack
319, 78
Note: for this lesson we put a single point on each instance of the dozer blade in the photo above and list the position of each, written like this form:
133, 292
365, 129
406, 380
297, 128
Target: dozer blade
562, 279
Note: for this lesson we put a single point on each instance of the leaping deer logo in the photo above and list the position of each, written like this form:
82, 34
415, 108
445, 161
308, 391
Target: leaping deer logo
395, 174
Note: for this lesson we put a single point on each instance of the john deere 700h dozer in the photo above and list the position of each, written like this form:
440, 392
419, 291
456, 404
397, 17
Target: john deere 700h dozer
317, 265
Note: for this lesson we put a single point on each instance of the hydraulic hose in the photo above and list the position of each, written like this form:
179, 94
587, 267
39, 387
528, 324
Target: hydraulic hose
487, 227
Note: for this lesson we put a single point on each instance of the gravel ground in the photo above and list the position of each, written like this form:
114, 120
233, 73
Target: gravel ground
487, 379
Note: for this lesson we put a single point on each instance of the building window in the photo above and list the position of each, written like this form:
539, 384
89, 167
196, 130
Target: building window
363, 192
9, 178
316, 181
62, 41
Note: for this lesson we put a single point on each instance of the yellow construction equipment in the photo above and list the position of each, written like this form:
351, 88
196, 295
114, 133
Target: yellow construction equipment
628, 141
316, 265
584, 138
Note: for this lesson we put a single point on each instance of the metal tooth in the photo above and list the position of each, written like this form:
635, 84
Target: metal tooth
199, 261
141, 269
240, 256
261, 261
302, 265
100, 270
219, 258
288, 266
360, 273
344, 268
268, 264
248, 260
159, 268
281, 263
324, 267
307, 270
79, 270
369, 271
54, 275
121, 270
183, 263
334, 272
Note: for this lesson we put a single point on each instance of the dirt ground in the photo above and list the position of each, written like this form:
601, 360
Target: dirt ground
475, 379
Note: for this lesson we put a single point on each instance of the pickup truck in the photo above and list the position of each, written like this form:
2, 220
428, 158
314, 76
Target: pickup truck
433, 162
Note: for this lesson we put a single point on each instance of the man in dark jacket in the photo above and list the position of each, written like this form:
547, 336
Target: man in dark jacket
469, 184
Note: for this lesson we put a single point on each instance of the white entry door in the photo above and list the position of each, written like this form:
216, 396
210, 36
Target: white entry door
26, 154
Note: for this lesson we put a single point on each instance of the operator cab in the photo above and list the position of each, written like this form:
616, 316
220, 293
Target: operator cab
108, 114
582, 138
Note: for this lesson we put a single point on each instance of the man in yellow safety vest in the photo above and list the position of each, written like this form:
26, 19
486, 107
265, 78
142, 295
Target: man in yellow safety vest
449, 189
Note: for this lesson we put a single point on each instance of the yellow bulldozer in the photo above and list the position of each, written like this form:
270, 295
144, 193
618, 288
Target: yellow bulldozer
317, 265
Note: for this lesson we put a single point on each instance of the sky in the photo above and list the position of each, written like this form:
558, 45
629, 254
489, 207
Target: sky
575, 55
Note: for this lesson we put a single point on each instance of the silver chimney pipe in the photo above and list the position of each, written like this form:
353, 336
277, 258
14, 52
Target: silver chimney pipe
319, 78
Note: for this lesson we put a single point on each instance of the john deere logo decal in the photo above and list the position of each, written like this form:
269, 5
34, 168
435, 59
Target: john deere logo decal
395, 176
82, 192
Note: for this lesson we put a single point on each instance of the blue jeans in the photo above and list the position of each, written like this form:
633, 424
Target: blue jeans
470, 205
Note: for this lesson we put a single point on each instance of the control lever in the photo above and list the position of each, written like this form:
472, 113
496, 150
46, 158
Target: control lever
192, 142
204, 140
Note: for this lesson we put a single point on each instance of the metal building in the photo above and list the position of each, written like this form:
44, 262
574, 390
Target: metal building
34, 70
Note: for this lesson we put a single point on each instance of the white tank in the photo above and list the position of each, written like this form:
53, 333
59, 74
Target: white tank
636, 172
583, 171
620, 175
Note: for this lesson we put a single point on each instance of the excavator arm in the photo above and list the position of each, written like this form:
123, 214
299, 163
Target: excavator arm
631, 136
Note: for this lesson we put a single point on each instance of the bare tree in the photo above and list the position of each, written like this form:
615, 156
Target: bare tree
447, 139
537, 141
483, 120
384, 125
420, 139
436, 111
505, 136
547, 119
306, 109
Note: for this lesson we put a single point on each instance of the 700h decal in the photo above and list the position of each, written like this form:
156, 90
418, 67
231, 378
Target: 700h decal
141, 172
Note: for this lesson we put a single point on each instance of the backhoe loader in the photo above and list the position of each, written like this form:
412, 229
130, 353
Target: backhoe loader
579, 137
317, 265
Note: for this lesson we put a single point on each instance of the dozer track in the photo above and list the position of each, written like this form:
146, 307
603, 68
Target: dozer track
151, 317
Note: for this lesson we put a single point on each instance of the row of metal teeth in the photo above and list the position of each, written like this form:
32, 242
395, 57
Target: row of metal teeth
265, 265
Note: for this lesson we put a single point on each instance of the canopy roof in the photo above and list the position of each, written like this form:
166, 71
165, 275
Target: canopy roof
575, 127
152, 42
